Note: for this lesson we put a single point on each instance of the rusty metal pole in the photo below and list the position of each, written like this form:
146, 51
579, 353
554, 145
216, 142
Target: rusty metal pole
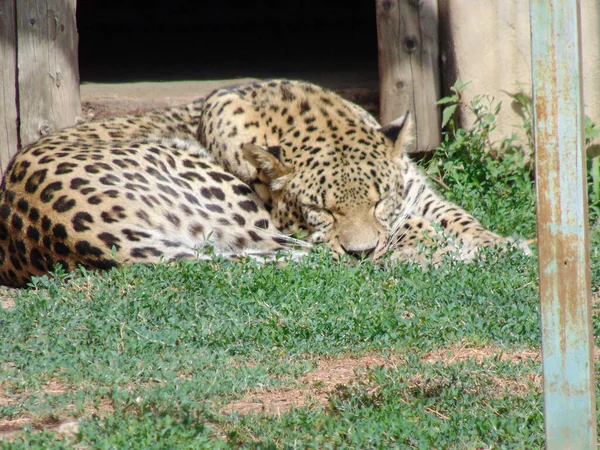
564, 267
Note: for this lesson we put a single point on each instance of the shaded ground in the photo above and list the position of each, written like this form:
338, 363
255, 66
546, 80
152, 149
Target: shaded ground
102, 100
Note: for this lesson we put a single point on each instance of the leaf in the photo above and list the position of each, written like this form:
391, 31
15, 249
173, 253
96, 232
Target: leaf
446, 100
488, 118
447, 114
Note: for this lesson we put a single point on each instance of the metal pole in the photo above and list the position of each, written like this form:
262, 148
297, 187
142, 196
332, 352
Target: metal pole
564, 268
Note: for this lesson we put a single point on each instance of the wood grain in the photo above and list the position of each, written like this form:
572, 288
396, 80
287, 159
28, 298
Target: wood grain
409, 67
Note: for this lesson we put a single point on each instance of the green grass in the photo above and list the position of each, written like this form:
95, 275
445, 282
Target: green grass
179, 338
148, 357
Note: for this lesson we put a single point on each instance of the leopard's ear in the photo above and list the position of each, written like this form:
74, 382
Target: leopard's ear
401, 132
266, 160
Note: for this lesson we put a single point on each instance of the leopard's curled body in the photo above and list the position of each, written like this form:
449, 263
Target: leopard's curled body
240, 170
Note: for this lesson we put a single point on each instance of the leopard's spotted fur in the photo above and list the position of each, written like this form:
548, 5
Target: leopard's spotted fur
236, 170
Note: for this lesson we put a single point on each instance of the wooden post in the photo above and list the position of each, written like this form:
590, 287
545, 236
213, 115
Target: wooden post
9, 136
563, 245
408, 66
39, 75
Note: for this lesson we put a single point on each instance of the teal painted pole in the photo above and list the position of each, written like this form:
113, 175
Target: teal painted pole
563, 245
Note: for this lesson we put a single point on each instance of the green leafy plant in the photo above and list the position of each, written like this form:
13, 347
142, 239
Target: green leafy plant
492, 180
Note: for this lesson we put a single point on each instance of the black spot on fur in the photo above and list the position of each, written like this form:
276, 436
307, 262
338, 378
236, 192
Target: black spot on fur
214, 208
94, 200
3, 232
173, 219
79, 221
84, 248
19, 172
144, 252
107, 217
34, 214
46, 223
168, 190
37, 260
9, 196
144, 216
47, 193
35, 179
61, 249
242, 189
20, 247
5, 211
239, 220
170, 244
112, 193
23, 205
59, 231
110, 240
196, 229
254, 236
191, 199
15, 262
47, 241
91, 168
16, 222
102, 264
110, 180
135, 236
64, 168
33, 233
304, 107
248, 205
219, 177
63, 204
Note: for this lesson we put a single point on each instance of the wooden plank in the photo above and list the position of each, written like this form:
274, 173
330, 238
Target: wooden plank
564, 264
408, 66
9, 133
48, 74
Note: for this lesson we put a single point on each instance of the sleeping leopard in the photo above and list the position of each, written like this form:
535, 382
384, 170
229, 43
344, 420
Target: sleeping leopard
241, 172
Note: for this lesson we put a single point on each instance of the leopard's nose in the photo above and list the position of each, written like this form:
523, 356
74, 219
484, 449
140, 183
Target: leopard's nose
362, 253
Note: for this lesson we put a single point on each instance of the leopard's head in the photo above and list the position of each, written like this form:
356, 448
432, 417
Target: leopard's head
341, 189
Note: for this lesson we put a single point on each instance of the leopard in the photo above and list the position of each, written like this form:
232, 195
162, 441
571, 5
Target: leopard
252, 170
324, 165
133, 189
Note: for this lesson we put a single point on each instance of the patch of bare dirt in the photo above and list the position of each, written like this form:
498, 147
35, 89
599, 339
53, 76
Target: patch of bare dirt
96, 110
459, 353
60, 424
313, 388
7, 297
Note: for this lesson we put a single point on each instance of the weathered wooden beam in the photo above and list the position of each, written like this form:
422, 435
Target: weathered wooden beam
563, 244
408, 66
48, 70
39, 74
9, 127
